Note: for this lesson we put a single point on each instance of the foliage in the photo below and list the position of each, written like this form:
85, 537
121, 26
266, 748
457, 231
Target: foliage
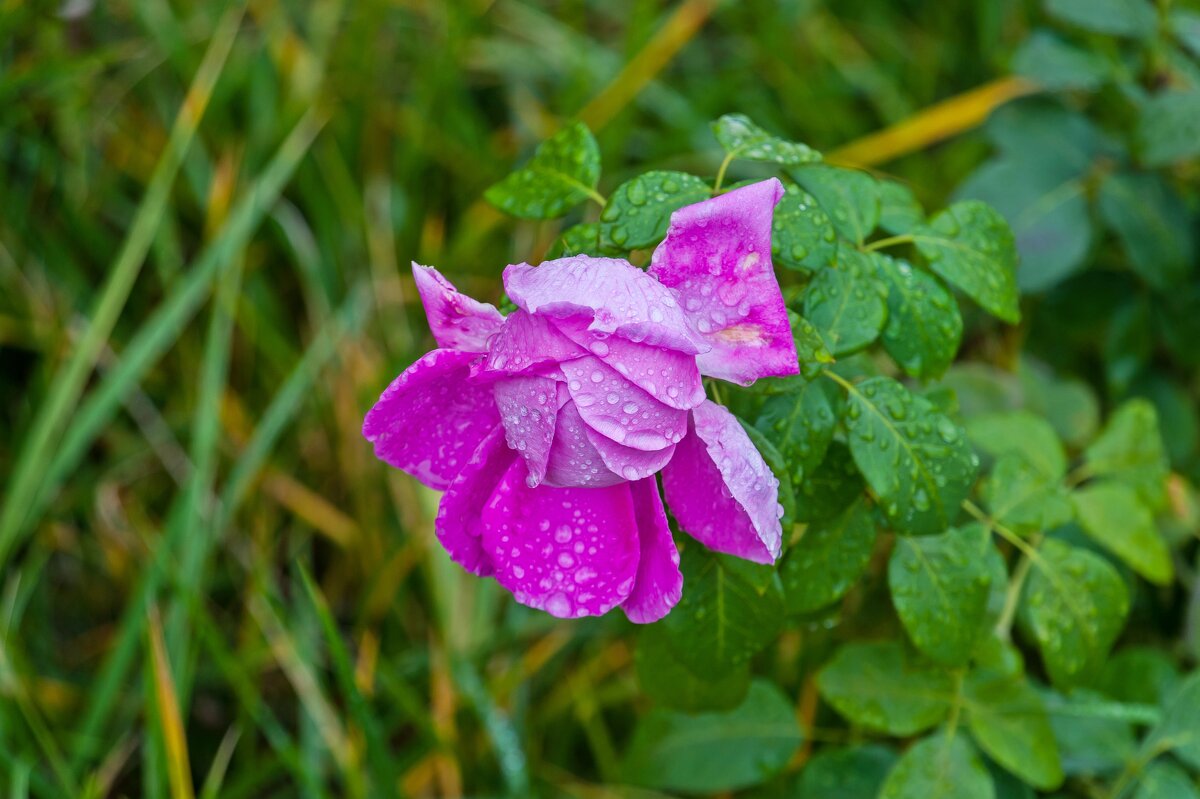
988, 587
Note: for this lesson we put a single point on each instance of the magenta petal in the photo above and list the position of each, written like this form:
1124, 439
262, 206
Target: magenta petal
458, 322
528, 408
627, 462
528, 342
567, 551
670, 376
659, 583
459, 524
574, 460
721, 491
717, 257
613, 406
431, 418
619, 297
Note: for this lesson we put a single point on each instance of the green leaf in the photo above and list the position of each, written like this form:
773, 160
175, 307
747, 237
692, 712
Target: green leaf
1008, 721
638, 212
939, 767
1073, 606
668, 681
1046, 204
1168, 128
778, 465
1130, 450
741, 138
847, 305
849, 196
876, 685
831, 487
1153, 224
731, 609
1054, 64
1141, 675
899, 211
971, 246
914, 458
563, 173
801, 424
1093, 736
1024, 499
924, 326
582, 239
1185, 24
1165, 780
1113, 515
1114, 17
715, 751
802, 234
940, 586
856, 772
810, 347
828, 559
1020, 433
1178, 731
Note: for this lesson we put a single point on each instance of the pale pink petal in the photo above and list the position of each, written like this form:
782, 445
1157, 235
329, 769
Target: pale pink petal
670, 376
432, 417
574, 460
459, 524
527, 342
458, 322
617, 408
659, 583
567, 551
717, 257
528, 408
620, 298
721, 491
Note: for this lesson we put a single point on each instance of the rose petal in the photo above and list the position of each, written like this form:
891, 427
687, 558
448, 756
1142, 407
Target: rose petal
432, 417
527, 342
458, 322
573, 459
459, 524
717, 257
721, 491
659, 583
617, 408
528, 408
670, 376
627, 462
621, 299
567, 551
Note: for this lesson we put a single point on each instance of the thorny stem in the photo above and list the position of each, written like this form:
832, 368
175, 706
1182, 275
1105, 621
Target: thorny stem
890, 241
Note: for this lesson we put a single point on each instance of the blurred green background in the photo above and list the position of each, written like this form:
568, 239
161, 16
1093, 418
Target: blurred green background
207, 211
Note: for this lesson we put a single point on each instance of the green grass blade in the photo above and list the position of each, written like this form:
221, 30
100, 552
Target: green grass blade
68, 385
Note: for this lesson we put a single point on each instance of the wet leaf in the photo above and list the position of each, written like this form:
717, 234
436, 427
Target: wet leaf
1073, 606
914, 458
1115, 516
828, 559
715, 751
849, 196
1008, 720
563, 173
971, 246
876, 685
638, 212
924, 326
940, 586
740, 138
939, 767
